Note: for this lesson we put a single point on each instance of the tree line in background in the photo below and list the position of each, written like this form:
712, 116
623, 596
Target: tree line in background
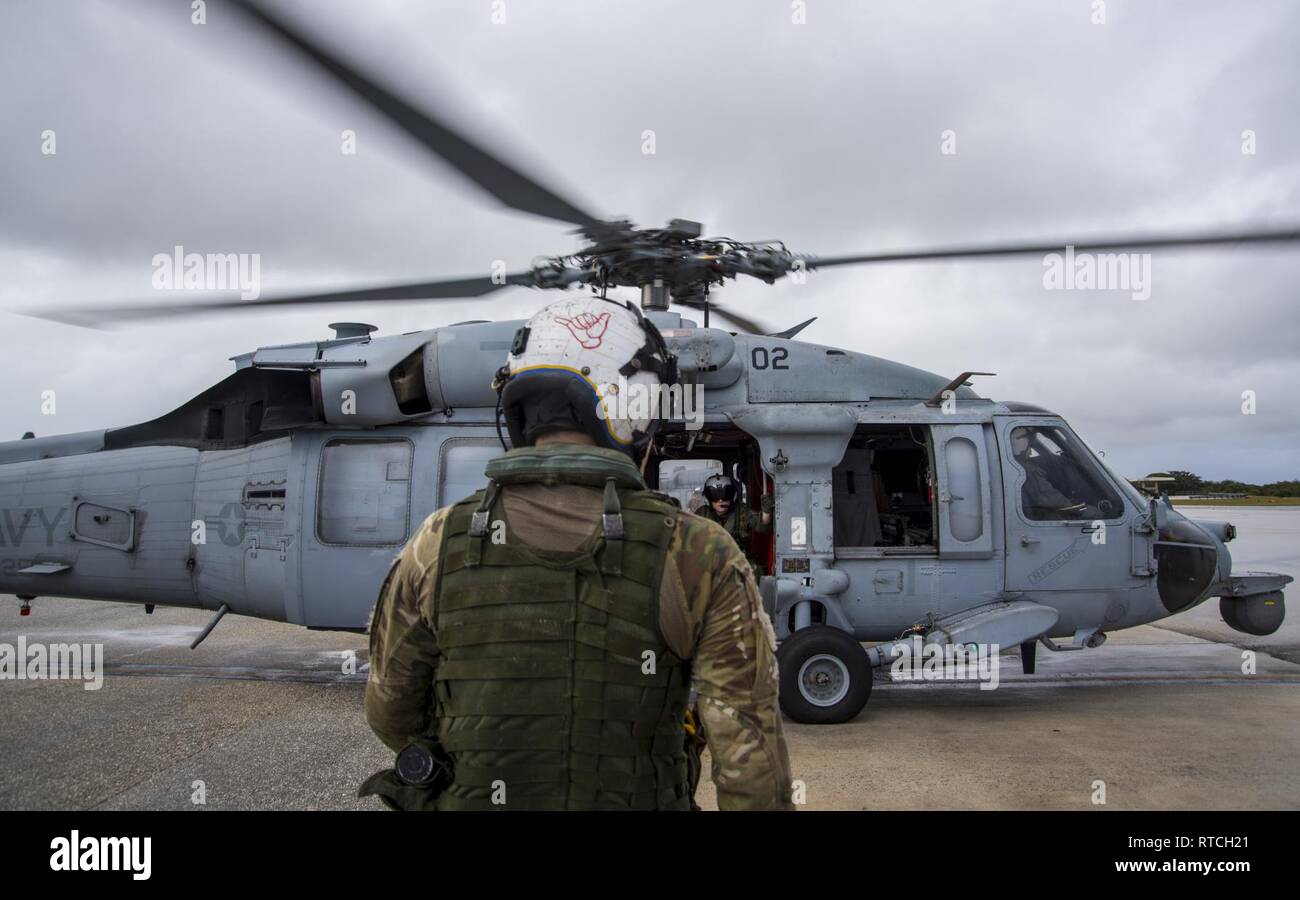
1190, 483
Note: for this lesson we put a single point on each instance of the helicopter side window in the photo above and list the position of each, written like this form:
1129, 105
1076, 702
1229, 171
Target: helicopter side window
460, 473
365, 493
1062, 482
881, 490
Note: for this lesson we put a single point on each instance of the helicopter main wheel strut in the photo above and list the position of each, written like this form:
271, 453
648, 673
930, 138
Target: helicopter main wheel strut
825, 676
1029, 656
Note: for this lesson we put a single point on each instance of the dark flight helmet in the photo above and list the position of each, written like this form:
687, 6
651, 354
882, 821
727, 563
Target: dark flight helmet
721, 487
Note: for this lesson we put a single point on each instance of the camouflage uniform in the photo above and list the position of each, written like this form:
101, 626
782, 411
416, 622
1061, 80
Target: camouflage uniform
742, 523
709, 614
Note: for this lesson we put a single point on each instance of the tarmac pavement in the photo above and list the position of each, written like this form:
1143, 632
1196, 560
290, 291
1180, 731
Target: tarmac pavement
265, 715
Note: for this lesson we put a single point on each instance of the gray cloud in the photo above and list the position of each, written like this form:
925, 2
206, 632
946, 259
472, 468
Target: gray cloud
826, 135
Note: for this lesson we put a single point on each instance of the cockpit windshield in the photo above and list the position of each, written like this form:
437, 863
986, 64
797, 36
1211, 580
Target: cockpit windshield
1062, 479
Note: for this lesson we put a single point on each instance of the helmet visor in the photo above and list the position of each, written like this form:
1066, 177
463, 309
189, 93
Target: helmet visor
721, 489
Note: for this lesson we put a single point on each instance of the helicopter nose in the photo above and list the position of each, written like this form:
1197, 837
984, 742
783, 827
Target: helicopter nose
1190, 559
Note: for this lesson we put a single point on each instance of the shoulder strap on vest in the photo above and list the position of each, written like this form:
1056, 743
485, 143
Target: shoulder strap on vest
478, 525
612, 522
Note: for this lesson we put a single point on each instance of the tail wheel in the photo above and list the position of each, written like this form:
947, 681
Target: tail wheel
825, 676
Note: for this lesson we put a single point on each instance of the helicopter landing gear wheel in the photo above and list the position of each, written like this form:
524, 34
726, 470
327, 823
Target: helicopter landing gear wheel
825, 676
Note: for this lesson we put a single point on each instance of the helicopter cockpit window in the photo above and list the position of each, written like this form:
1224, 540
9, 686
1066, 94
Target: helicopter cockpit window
1062, 482
882, 491
365, 493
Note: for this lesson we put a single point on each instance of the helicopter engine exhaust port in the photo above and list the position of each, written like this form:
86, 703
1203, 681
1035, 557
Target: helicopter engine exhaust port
825, 678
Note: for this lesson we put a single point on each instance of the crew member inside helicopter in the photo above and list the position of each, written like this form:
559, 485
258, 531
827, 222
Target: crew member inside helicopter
721, 493
1058, 483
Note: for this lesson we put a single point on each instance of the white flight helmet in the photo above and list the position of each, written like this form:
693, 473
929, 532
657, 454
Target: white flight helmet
591, 361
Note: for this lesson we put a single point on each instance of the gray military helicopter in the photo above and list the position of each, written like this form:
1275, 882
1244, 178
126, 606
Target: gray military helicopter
906, 506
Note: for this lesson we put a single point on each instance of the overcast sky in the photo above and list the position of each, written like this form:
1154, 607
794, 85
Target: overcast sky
827, 135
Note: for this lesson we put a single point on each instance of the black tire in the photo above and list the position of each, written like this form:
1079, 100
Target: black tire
835, 672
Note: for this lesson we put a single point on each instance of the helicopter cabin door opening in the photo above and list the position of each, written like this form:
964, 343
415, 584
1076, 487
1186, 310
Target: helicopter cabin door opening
913, 518
683, 460
914, 490
883, 493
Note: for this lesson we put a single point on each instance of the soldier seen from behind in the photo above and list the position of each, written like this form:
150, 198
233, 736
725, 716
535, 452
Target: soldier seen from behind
535, 646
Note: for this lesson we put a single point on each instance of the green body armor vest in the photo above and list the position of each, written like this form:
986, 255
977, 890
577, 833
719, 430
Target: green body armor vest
556, 689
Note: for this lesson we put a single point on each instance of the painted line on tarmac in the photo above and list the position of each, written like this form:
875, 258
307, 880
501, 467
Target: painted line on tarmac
235, 673
1098, 680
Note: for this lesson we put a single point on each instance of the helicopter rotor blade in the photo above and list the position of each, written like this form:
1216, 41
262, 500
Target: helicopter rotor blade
1137, 242
509, 185
741, 321
449, 289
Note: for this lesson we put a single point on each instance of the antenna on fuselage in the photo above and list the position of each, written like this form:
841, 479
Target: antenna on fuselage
959, 381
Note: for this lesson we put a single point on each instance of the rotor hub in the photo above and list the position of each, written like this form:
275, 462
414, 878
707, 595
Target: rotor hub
656, 295
668, 265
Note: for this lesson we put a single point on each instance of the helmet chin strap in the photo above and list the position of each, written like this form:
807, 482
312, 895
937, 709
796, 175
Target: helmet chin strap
645, 457
651, 433
500, 437
499, 383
